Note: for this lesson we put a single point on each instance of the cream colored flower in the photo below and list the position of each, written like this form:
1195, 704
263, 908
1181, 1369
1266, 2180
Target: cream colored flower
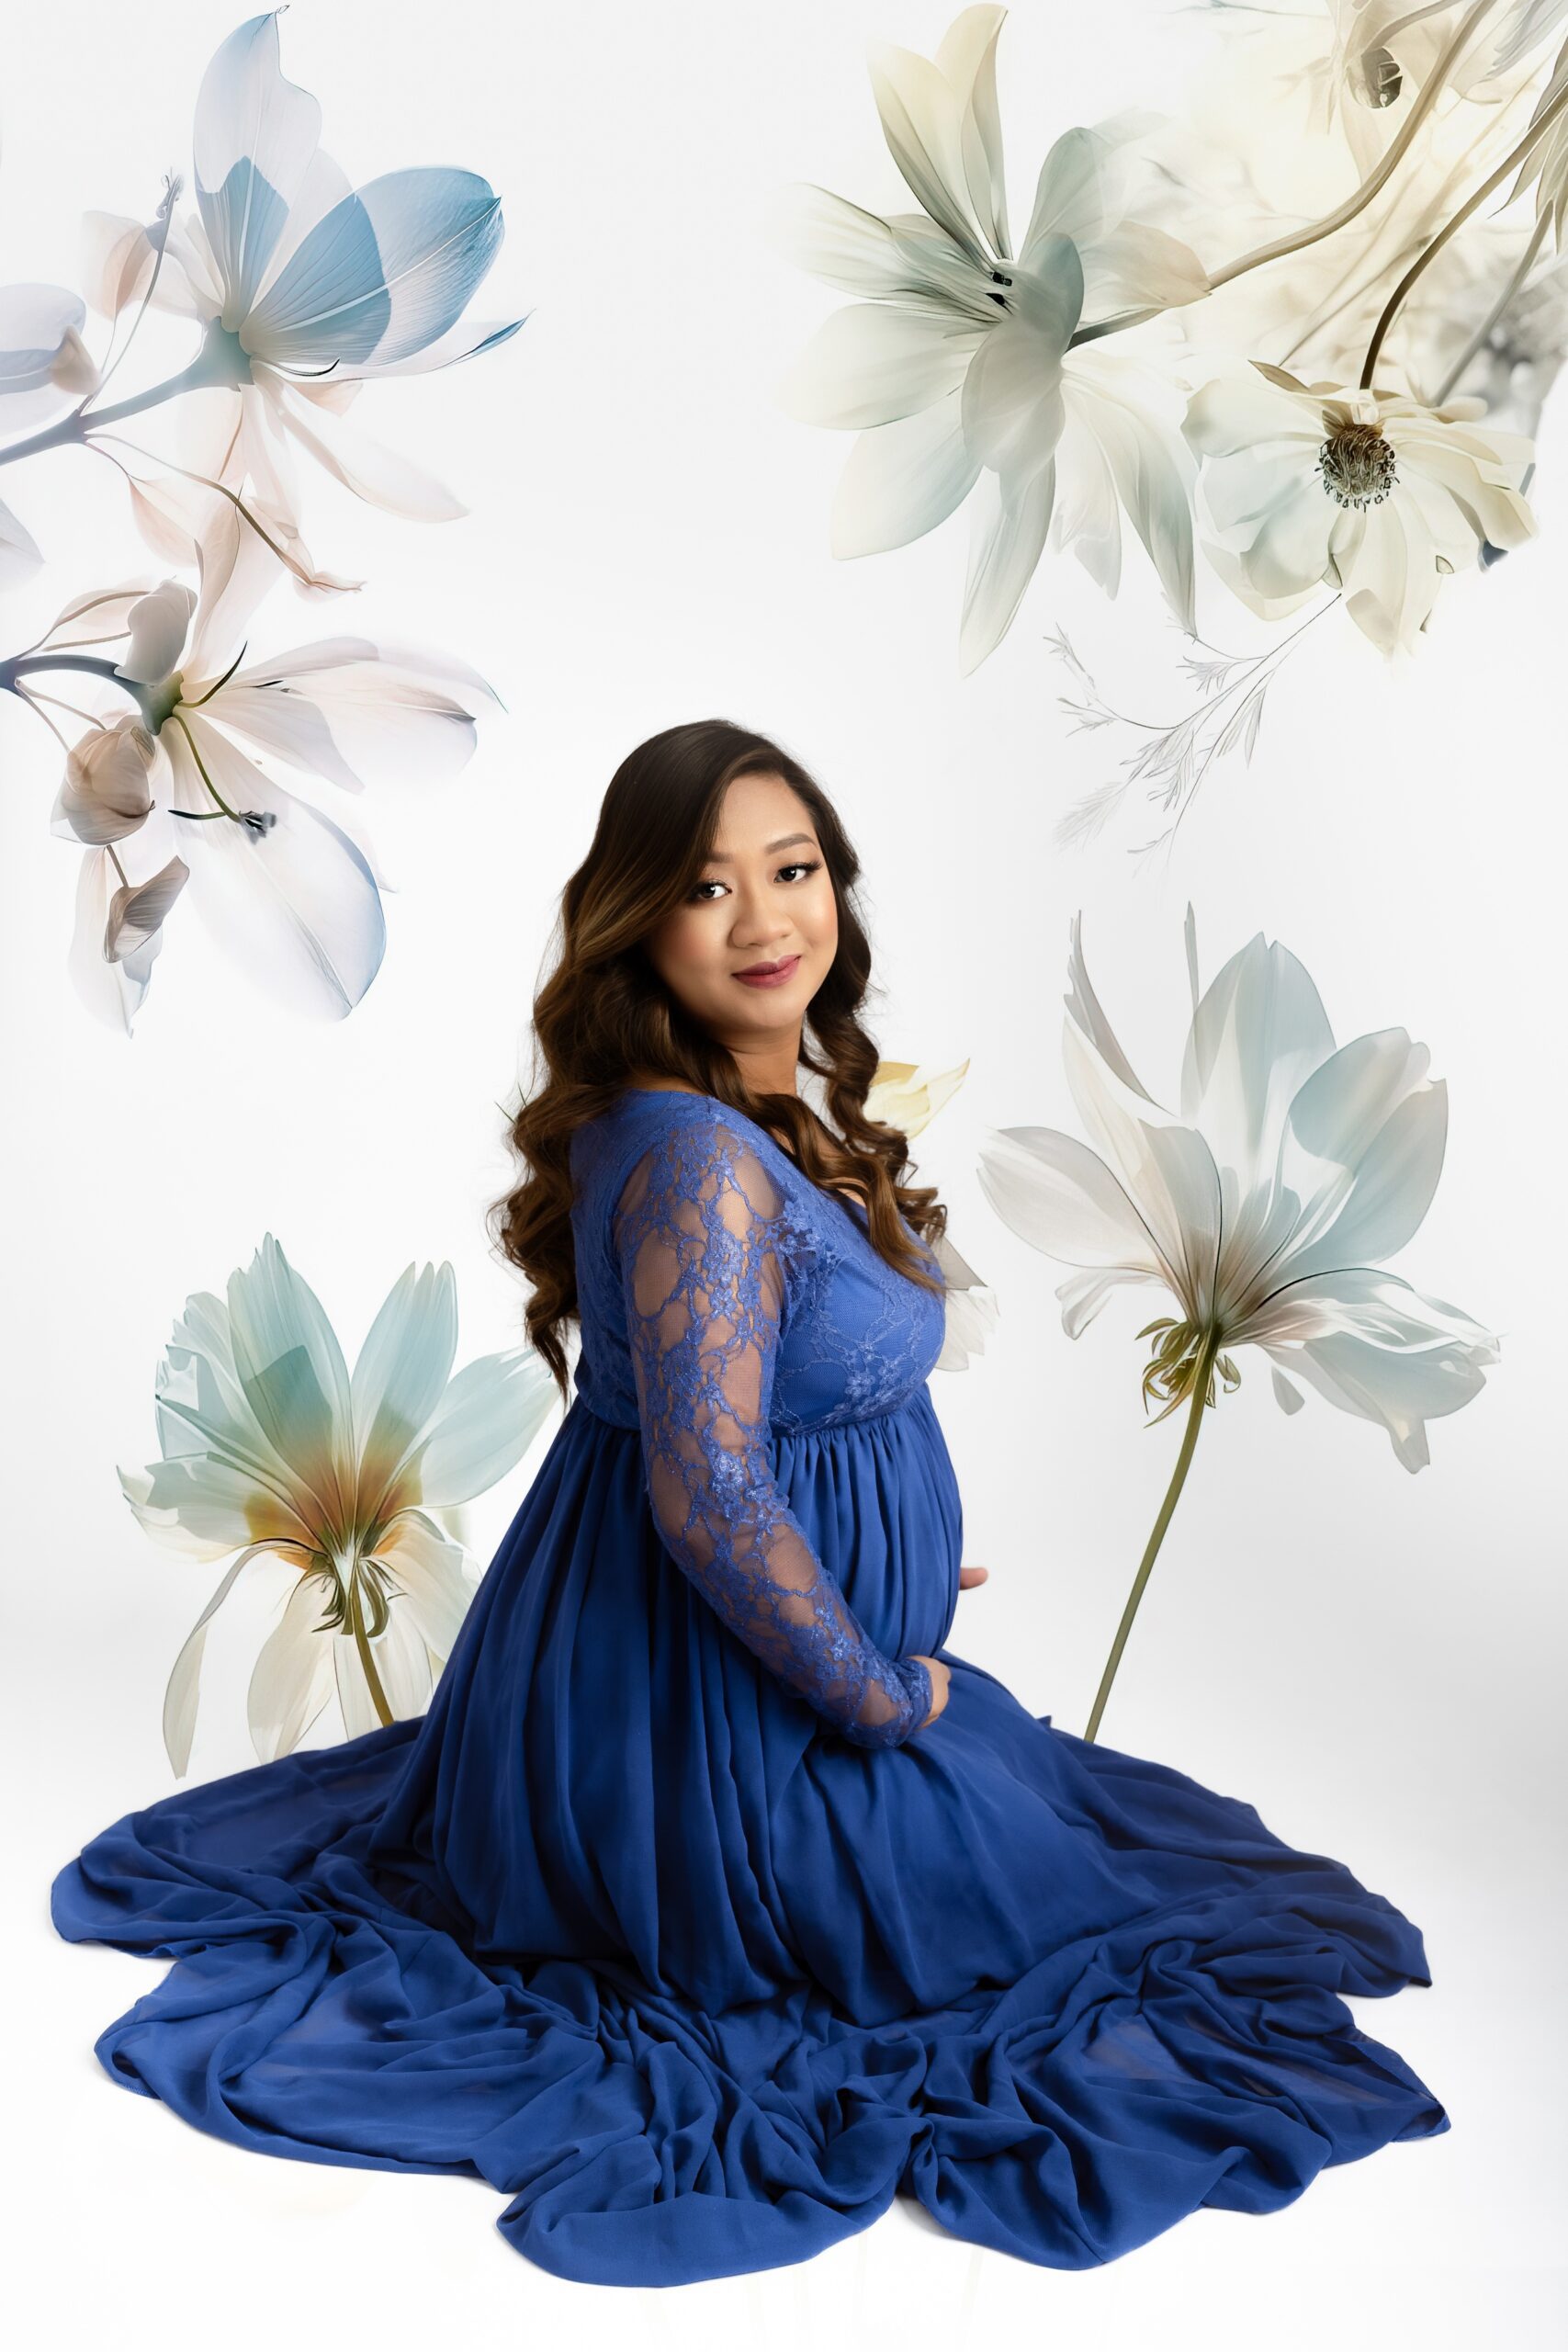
1369, 492
955, 369
908, 1095
270, 1442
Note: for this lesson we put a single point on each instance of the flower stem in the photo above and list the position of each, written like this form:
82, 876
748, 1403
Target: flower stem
21, 664
1431, 89
1526, 263
361, 1643
220, 361
1533, 135
1205, 1365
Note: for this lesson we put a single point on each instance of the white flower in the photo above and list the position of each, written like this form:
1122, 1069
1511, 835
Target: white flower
956, 370
1366, 490
1262, 1206
269, 1443
908, 1095
293, 894
307, 288
44, 364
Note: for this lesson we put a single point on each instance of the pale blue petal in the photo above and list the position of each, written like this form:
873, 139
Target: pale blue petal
255, 134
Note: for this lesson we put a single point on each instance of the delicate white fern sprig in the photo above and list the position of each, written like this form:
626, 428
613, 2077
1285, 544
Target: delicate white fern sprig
1176, 757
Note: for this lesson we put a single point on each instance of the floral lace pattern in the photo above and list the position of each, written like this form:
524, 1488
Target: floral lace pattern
703, 1235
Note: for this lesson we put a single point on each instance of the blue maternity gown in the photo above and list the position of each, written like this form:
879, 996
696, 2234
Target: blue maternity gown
667, 1918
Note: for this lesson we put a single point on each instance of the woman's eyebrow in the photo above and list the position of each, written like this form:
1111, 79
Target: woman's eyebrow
785, 841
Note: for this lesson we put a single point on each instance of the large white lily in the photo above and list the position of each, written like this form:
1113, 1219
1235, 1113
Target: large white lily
270, 1442
306, 287
956, 369
1262, 1206
294, 894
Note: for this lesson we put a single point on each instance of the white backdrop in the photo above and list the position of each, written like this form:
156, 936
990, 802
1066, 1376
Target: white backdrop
1372, 1658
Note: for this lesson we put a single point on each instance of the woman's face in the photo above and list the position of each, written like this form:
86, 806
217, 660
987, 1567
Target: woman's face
764, 897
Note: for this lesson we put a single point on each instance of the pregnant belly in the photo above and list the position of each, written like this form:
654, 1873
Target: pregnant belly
879, 1503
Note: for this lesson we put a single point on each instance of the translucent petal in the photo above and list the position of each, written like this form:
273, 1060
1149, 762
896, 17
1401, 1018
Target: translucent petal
402, 1665
872, 363
436, 1585
255, 136
1061, 1198
291, 1368
1362, 1151
385, 273
353, 710
484, 1423
292, 1678
399, 1378
921, 123
902, 480
297, 907
183, 1695
1085, 1008
380, 476
1006, 541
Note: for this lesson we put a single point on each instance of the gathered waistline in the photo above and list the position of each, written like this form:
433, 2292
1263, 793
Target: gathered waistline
786, 1429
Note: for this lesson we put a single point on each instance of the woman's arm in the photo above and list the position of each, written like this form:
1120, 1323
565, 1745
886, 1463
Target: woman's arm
694, 1235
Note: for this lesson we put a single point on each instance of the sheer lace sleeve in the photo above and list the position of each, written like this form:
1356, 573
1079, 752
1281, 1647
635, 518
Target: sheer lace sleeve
697, 1236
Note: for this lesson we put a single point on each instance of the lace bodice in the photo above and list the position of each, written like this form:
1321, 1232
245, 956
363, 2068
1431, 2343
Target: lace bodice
723, 1295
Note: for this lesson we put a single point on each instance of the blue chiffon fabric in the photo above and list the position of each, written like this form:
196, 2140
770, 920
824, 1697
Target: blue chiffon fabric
670, 1918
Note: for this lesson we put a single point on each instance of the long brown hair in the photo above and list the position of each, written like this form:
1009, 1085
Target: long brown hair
604, 1012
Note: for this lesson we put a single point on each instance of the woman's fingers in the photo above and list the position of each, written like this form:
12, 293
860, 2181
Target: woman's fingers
967, 1577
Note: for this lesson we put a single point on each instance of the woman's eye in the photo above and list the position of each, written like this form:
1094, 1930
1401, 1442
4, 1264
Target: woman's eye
796, 865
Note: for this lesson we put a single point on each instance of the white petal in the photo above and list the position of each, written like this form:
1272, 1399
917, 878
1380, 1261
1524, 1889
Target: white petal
379, 475
400, 1375
183, 1695
1085, 1295
966, 60
291, 1368
255, 136
1007, 538
485, 1422
1288, 1398
1401, 1389
1149, 463
1165, 1168
355, 710
292, 1678
1258, 1033
1085, 1008
902, 480
920, 120
297, 907
436, 1586
1362, 1152
158, 624
1060, 1197
872, 363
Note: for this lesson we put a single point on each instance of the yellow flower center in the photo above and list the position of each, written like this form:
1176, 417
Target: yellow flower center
1357, 465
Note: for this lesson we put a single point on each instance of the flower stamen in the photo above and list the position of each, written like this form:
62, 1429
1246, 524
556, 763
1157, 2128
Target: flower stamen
1357, 465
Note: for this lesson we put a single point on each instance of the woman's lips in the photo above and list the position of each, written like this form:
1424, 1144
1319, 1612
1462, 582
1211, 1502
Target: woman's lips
771, 980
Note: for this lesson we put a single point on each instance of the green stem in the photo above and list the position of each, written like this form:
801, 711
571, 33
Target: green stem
1430, 91
361, 1643
1537, 130
1206, 1355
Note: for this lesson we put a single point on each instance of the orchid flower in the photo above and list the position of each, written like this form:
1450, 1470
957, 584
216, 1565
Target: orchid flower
908, 1095
1262, 1207
270, 1442
291, 893
959, 370
304, 288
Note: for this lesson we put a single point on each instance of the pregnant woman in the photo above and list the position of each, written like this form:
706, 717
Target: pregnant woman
715, 1901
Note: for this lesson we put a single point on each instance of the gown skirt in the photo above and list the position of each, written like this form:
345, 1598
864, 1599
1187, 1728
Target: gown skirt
618, 1927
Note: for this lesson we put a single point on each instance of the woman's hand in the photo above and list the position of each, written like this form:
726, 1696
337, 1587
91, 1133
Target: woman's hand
940, 1678
933, 1665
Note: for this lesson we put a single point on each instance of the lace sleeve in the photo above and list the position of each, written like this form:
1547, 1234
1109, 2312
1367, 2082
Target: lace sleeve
695, 1234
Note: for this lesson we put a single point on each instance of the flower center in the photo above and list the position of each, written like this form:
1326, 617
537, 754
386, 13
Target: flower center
1357, 465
